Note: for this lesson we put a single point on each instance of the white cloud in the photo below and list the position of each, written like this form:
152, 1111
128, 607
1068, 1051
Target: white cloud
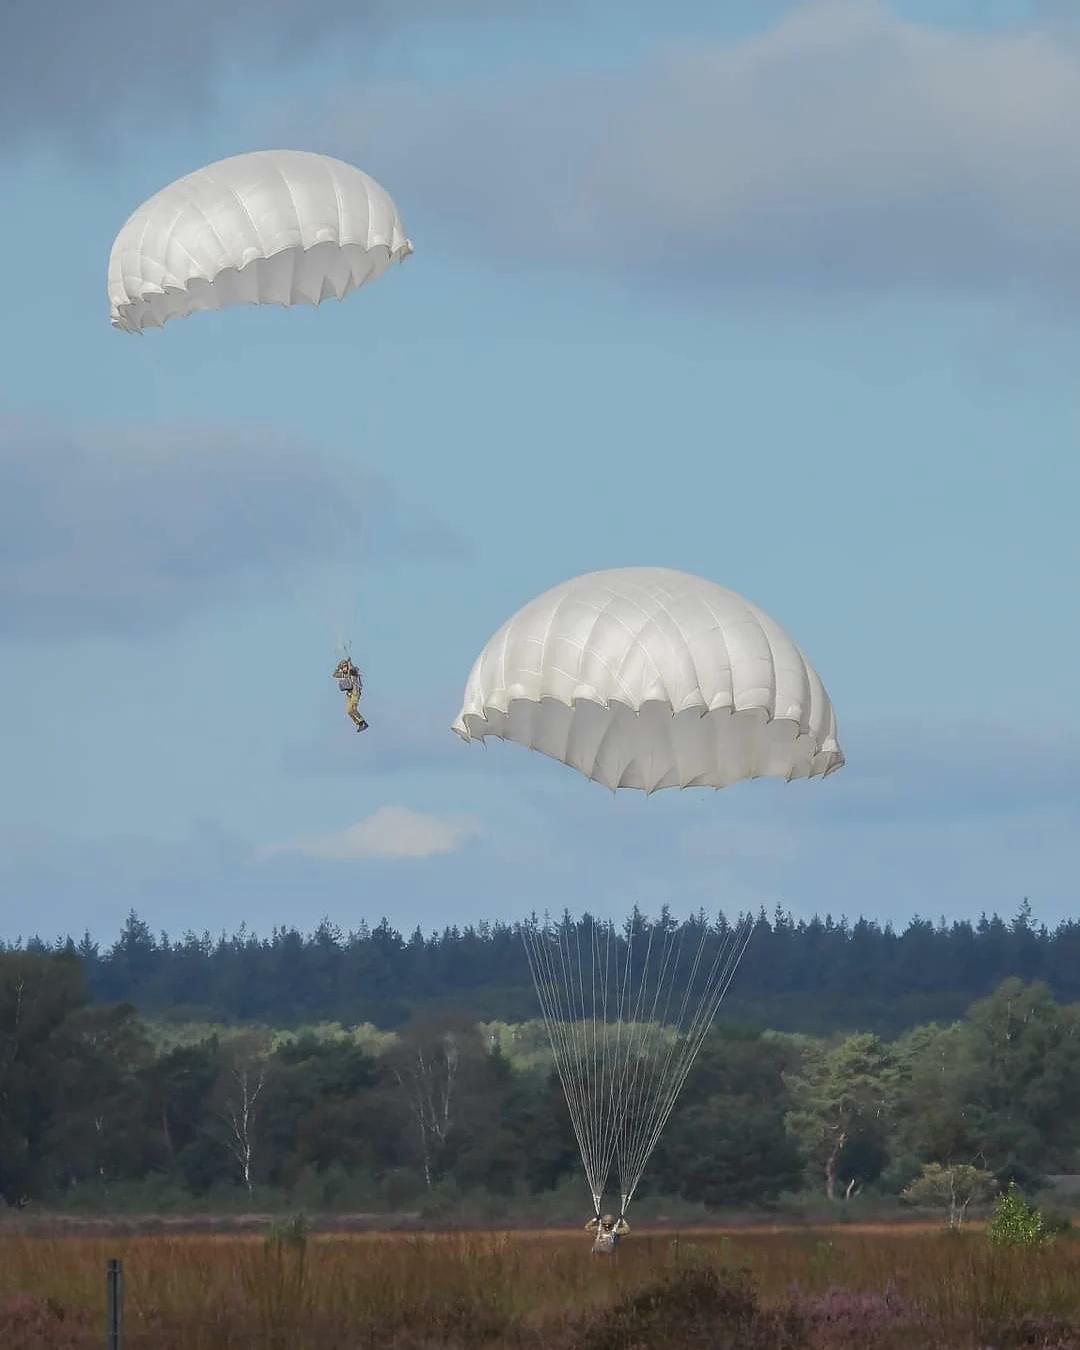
842, 148
392, 832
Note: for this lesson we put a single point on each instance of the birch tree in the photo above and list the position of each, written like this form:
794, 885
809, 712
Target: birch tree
953, 1188
426, 1066
240, 1090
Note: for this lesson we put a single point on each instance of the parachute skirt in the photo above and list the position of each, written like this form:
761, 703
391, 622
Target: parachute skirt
291, 277
652, 747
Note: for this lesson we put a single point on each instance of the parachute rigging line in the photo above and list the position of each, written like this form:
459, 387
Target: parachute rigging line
626, 1014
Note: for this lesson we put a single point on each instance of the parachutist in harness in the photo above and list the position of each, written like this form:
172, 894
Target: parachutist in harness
608, 1231
351, 685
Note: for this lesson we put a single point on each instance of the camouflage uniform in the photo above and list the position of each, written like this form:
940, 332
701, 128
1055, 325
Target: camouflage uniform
608, 1231
350, 684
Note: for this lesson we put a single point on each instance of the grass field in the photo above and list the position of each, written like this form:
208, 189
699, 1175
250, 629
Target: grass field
871, 1285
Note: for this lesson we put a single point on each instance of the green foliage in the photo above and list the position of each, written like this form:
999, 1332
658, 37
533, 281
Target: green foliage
450, 1116
1015, 1223
729, 1146
813, 975
841, 1097
50, 1098
953, 1188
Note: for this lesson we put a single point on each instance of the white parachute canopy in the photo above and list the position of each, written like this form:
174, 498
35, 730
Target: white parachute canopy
626, 1014
281, 227
644, 677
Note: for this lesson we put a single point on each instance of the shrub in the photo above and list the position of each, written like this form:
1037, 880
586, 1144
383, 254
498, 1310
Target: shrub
1015, 1223
41, 1324
694, 1307
844, 1317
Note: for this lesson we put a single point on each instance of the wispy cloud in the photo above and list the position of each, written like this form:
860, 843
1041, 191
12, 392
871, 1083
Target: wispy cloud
844, 148
983, 821
952, 818
122, 531
392, 832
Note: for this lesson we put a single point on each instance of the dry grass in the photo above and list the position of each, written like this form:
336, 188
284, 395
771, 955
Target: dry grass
909, 1287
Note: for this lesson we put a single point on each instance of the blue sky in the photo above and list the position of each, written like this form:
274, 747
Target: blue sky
785, 295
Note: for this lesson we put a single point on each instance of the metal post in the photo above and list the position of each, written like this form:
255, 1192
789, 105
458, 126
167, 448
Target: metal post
114, 1305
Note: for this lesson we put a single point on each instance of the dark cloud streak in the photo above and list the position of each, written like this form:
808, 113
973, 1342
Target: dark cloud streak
132, 531
78, 71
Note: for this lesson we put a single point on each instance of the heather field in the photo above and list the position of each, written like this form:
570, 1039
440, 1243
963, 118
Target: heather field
904, 1287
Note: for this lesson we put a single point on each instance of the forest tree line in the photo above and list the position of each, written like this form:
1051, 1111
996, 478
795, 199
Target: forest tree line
96, 1100
809, 975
